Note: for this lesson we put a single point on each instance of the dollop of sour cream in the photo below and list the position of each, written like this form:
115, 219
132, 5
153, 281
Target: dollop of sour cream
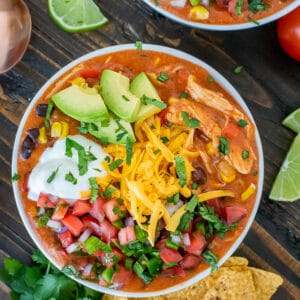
49, 175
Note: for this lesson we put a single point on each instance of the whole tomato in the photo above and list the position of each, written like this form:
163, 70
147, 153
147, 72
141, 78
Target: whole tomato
288, 32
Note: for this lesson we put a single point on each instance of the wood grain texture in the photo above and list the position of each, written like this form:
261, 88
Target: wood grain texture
269, 84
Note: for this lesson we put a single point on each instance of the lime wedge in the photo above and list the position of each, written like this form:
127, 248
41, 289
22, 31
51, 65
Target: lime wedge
292, 121
287, 183
76, 15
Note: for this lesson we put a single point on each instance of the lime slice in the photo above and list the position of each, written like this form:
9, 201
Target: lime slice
292, 121
287, 183
76, 15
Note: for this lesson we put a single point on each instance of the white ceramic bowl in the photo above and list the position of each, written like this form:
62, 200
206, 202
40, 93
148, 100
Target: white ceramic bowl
218, 78
216, 27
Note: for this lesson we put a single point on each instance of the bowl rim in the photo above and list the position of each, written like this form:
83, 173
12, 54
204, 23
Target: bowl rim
177, 53
223, 27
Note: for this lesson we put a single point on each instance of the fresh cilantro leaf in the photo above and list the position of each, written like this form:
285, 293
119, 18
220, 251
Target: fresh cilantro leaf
146, 100
210, 79
165, 140
183, 95
53, 175
129, 145
257, 5
185, 221
224, 145
94, 189
39, 258
245, 154
15, 177
48, 114
211, 259
238, 69
12, 266
163, 77
115, 164
238, 7
139, 45
190, 122
180, 170
70, 177
242, 123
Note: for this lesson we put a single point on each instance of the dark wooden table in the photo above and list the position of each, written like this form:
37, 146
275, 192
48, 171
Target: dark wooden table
270, 85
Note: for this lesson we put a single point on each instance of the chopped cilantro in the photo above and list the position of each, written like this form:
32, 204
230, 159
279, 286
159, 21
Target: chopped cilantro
48, 114
211, 259
210, 79
163, 77
70, 177
257, 5
146, 100
108, 191
15, 177
242, 123
115, 164
224, 145
125, 98
180, 170
185, 221
174, 199
238, 7
190, 122
164, 139
129, 145
155, 152
191, 205
53, 175
94, 189
183, 95
139, 45
245, 154
93, 244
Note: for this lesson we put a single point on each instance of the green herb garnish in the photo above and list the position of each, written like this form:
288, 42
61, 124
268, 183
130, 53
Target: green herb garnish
245, 154
190, 122
15, 177
180, 170
93, 244
224, 145
146, 100
238, 69
129, 145
70, 177
48, 114
115, 164
163, 77
53, 175
211, 259
242, 123
94, 189
139, 45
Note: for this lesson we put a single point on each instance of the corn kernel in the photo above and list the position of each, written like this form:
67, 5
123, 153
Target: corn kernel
156, 60
173, 100
56, 129
42, 135
210, 149
248, 192
199, 13
65, 129
227, 172
78, 81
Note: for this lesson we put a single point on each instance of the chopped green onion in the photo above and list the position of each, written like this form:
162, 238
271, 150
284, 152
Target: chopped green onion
139, 45
129, 145
174, 199
180, 170
245, 154
210, 79
53, 175
70, 177
141, 234
154, 266
128, 263
183, 95
108, 274
191, 205
164, 139
114, 165
94, 189
163, 77
171, 244
238, 69
48, 114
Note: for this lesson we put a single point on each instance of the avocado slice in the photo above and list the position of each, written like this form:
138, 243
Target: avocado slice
114, 130
82, 104
116, 95
140, 86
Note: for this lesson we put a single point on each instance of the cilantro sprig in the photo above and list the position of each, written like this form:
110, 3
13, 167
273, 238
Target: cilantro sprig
42, 280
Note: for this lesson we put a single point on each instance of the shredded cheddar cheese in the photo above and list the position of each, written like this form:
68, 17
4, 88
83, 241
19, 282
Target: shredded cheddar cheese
151, 177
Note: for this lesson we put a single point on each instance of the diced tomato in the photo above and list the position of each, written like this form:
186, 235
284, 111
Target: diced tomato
107, 231
122, 276
66, 238
198, 243
81, 207
126, 235
111, 209
231, 130
97, 209
217, 205
163, 116
176, 271
191, 261
74, 224
90, 73
44, 201
110, 259
234, 213
60, 210
169, 255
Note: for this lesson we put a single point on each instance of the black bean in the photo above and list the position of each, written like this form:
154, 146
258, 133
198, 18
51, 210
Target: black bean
33, 134
27, 147
41, 109
199, 176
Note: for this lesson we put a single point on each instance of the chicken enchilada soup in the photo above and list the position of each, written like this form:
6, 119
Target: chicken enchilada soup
222, 12
137, 170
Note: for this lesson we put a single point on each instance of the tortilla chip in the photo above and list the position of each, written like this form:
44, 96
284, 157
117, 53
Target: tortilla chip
266, 283
235, 261
233, 281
